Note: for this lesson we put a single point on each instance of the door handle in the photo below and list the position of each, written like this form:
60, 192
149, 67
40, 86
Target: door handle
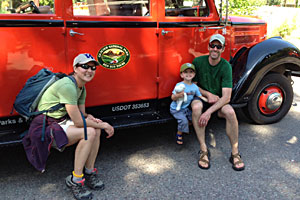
163, 32
72, 33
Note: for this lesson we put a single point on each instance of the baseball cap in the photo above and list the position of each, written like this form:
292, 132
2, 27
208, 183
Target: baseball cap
187, 66
83, 59
218, 37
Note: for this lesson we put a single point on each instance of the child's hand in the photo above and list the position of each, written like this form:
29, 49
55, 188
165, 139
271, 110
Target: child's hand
203, 98
179, 95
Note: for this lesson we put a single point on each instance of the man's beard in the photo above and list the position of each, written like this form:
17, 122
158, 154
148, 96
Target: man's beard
214, 57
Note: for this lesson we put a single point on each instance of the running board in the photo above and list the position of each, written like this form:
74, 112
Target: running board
12, 137
138, 119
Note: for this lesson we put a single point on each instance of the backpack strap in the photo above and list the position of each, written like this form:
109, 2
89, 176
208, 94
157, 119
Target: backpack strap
44, 128
53, 108
82, 116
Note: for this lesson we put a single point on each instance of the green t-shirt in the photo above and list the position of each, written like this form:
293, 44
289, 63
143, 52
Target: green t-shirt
212, 78
63, 91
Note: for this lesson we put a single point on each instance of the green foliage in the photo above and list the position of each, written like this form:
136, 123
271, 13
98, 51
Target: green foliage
286, 28
242, 7
273, 2
43, 2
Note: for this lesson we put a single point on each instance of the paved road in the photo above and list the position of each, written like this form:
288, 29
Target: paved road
145, 163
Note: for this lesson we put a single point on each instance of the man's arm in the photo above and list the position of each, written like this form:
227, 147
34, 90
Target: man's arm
209, 97
225, 99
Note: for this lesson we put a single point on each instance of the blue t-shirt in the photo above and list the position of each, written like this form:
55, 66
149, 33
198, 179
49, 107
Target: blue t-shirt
191, 91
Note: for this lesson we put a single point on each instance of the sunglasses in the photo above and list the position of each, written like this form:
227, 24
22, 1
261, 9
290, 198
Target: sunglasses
85, 66
215, 45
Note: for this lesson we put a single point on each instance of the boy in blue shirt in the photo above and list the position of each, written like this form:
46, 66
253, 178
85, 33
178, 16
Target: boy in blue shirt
184, 115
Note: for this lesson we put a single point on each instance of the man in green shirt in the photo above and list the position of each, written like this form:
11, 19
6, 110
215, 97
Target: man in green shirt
214, 78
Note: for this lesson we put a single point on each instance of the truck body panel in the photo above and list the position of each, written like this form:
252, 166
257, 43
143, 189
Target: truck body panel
140, 46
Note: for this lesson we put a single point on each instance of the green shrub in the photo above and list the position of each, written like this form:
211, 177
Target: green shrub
274, 2
242, 7
286, 28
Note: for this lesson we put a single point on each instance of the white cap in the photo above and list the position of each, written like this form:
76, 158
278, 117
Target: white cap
218, 37
83, 59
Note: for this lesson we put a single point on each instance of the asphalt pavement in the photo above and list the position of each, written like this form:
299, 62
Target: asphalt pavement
145, 163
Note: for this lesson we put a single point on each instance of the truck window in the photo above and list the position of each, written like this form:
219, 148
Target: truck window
27, 7
190, 8
111, 7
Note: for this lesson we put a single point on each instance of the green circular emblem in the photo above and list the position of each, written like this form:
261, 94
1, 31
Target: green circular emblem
113, 56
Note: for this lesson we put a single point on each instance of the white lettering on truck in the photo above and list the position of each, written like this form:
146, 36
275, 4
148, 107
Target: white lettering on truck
130, 107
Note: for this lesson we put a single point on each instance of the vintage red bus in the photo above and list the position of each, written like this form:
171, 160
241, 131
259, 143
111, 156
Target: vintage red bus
140, 45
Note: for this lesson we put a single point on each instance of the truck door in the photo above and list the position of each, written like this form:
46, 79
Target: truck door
122, 35
31, 37
184, 32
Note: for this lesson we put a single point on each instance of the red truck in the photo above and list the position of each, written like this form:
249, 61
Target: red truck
140, 45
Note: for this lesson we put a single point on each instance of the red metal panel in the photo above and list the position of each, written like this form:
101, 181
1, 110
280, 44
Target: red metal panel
25, 50
180, 45
137, 80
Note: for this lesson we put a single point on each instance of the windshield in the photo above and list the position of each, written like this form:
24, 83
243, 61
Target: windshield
218, 6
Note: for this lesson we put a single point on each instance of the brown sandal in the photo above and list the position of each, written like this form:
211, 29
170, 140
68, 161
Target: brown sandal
202, 155
239, 157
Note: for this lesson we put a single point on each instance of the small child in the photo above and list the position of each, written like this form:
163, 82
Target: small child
184, 115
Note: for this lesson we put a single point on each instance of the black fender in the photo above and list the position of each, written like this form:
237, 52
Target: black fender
251, 65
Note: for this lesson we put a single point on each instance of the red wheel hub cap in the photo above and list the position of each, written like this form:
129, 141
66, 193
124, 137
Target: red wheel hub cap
270, 100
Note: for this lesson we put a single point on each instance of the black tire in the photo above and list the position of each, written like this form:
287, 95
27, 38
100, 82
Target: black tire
272, 85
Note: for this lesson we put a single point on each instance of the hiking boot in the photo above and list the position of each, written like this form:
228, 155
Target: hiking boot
78, 189
93, 182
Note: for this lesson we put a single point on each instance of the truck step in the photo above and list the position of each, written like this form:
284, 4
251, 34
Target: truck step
137, 119
9, 137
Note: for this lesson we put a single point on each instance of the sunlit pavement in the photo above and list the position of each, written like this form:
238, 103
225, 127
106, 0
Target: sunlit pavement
296, 88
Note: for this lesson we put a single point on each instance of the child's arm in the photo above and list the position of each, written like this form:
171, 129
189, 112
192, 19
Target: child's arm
176, 96
203, 98
199, 94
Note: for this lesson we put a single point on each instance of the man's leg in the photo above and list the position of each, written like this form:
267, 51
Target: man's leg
232, 131
200, 131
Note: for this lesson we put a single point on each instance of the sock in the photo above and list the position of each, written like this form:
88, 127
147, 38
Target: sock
76, 178
88, 171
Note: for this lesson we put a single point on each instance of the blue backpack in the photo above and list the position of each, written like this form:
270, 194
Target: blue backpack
27, 100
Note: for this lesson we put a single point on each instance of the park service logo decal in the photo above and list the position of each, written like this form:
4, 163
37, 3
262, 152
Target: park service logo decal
113, 56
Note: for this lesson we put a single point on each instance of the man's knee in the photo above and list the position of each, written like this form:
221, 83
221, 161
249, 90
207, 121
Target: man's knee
228, 112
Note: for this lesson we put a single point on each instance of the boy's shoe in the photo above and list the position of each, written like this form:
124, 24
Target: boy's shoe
179, 139
93, 182
78, 189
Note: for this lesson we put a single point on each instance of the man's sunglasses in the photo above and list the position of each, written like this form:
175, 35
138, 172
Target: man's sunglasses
85, 66
215, 45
